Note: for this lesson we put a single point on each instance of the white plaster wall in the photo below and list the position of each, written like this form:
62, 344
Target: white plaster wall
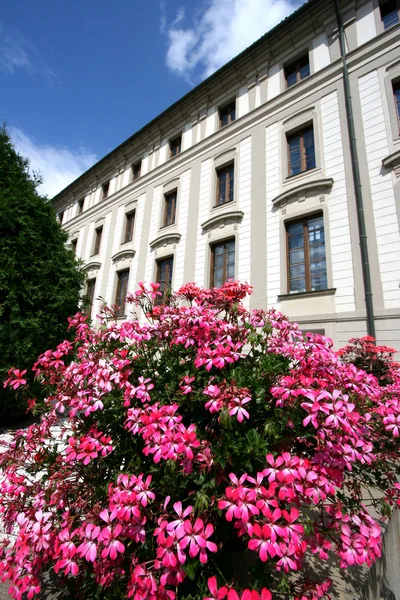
273, 176
145, 164
204, 200
339, 227
99, 277
244, 194
274, 81
185, 245
320, 52
163, 152
381, 184
243, 102
137, 235
187, 136
258, 95
79, 249
89, 244
154, 226
116, 242
365, 24
211, 121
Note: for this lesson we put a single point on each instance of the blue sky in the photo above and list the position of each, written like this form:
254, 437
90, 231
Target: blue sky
79, 77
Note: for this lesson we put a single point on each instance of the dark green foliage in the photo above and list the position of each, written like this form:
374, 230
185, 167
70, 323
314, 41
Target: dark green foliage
40, 279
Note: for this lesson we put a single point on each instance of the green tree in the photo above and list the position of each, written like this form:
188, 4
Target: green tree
40, 278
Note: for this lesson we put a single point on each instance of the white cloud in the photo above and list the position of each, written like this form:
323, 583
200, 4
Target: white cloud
17, 52
221, 31
58, 166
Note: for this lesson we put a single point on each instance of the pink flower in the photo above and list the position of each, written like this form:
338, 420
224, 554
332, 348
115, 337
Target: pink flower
238, 409
18, 378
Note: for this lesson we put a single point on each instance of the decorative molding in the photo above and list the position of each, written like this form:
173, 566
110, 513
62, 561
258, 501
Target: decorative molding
301, 295
231, 216
316, 185
393, 65
123, 255
92, 266
169, 237
228, 151
310, 109
172, 182
392, 161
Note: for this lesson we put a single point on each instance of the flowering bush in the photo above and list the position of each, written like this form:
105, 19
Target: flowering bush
203, 454
365, 354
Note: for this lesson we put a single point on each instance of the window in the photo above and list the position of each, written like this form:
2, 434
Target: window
389, 13
105, 189
225, 185
136, 170
90, 287
396, 94
306, 255
74, 245
170, 208
129, 225
98, 232
222, 262
121, 291
227, 114
164, 278
301, 150
81, 203
297, 70
61, 217
175, 146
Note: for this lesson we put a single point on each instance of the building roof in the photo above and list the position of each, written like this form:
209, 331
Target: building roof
201, 86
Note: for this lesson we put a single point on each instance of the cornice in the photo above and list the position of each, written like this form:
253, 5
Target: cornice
392, 160
94, 264
171, 237
231, 215
302, 188
123, 254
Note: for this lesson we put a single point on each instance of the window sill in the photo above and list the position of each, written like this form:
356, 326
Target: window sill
222, 206
167, 227
391, 161
313, 185
293, 295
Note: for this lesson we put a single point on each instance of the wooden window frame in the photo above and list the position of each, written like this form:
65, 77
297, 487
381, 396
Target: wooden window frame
74, 245
81, 204
227, 109
303, 157
173, 195
295, 66
90, 298
136, 170
175, 143
129, 226
307, 270
105, 190
98, 234
161, 299
118, 299
219, 171
225, 266
381, 5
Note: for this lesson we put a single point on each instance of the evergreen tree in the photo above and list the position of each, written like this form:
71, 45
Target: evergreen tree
40, 278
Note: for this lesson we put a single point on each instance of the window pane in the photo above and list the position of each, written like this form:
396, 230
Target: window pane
231, 258
298, 285
317, 251
219, 260
294, 155
304, 69
389, 13
309, 148
297, 271
295, 228
296, 241
318, 266
319, 282
291, 78
231, 271
296, 256
396, 91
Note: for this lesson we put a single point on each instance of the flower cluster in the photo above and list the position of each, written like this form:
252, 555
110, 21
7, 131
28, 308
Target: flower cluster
206, 452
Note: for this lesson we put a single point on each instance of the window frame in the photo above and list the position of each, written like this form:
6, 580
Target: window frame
172, 194
129, 228
90, 298
380, 5
304, 219
300, 131
170, 257
121, 311
61, 216
74, 245
218, 171
213, 246
297, 66
134, 166
395, 83
226, 107
98, 234
105, 190
81, 204
175, 143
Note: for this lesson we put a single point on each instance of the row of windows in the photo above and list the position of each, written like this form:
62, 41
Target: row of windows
306, 264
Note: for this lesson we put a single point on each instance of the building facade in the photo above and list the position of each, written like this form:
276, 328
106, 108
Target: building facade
250, 176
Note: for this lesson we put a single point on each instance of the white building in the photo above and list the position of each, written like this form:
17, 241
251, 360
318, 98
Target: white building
250, 175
